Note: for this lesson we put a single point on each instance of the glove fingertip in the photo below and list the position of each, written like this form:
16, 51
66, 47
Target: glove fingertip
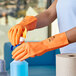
13, 57
17, 42
16, 58
22, 59
12, 53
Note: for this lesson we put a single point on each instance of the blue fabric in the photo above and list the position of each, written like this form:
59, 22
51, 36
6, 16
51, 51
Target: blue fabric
46, 59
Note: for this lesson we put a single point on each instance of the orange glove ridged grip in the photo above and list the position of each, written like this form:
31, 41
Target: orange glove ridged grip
32, 49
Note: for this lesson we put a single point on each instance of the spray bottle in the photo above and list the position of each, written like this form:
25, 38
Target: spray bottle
19, 68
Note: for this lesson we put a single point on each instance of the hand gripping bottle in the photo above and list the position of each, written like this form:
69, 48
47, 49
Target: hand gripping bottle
19, 68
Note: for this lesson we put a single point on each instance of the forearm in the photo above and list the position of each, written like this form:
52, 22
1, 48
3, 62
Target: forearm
47, 17
71, 35
60, 40
43, 19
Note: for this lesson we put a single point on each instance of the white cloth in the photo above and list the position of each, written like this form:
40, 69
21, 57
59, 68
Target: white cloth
66, 14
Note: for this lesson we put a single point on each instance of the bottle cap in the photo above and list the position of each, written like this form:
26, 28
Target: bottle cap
21, 40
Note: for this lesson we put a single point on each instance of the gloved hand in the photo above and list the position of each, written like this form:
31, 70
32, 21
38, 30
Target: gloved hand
27, 24
32, 49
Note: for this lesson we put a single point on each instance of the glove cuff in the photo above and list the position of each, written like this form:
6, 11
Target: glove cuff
56, 41
29, 22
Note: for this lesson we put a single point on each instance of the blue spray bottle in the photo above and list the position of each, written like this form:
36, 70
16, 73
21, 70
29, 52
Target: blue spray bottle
19, 68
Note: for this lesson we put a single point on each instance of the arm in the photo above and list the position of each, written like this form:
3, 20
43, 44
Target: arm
47, 17
32, 49
71, 35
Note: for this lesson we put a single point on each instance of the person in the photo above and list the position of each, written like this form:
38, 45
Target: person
66, 14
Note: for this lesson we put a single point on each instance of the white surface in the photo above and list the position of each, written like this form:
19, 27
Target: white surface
54, 27
3, 39
2, 33
11, 21
19, 20
42, 3
37, 34
31, 12
2, 21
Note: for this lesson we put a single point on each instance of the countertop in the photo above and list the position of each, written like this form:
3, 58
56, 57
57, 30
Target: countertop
42, 71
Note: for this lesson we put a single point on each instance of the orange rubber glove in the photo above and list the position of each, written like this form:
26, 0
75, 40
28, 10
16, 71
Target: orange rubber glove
27, 24
32, 49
